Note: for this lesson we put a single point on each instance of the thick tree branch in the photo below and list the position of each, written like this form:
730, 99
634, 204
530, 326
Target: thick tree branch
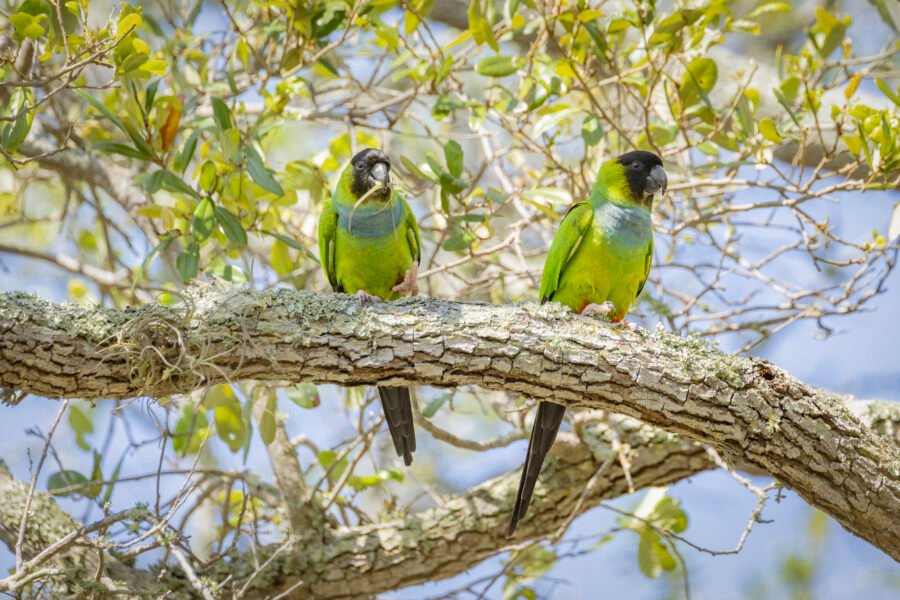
752, 412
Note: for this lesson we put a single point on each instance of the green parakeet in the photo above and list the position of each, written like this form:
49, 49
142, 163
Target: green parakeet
369, 246
598, 262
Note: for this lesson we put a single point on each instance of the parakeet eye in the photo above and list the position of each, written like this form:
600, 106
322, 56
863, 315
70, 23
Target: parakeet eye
359, 166
636, 166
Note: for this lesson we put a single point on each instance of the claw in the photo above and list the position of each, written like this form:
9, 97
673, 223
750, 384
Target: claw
599, 309
629, 325
408, 285
366, 298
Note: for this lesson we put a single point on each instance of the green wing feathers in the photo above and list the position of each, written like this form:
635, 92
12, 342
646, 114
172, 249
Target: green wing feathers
412, 233
327, 234
576, 222
647, 264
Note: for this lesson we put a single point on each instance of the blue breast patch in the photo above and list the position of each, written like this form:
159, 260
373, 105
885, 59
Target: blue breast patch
370, 221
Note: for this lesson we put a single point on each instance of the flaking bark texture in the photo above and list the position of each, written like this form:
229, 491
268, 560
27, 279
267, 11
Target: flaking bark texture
751, 411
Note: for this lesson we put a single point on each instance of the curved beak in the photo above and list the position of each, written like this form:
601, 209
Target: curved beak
380, 173
657, 181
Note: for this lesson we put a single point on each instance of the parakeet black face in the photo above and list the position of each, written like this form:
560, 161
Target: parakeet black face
644, 173
370, 168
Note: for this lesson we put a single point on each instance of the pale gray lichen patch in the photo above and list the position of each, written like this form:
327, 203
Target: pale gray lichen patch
699, 358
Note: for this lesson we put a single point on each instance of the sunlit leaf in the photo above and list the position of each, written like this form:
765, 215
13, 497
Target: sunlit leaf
204, 220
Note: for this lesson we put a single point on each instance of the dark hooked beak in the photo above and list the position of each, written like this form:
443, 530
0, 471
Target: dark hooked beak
657, 181
380, 173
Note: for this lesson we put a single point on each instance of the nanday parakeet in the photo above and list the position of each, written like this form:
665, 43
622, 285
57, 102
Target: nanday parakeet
369, 246
598, 262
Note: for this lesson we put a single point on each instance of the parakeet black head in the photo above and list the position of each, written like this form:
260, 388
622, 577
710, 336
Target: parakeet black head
631, 179
370, 168
644, 173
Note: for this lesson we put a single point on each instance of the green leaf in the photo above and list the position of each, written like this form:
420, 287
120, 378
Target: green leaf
790, 87
432, 407
190, 431
459, 241
150, 95
230, 424
280, 259
481, 14
663, 556
93, 490
204, 220
128, 22
267, 420
699, 79
231, 225
359, 483
498, 66
65, 479
165, 179
188, 262
133, 62
327, 458
887, 91
648, 559
453, 154
14, 133
117, 148
209, 176
769, 7
591, 130
769, 131
183, 158
669, 516
222, 114
28, 26
81, 424
305, 395
260, 174
894, 228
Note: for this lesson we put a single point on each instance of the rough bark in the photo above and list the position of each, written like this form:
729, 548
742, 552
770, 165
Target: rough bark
752, 412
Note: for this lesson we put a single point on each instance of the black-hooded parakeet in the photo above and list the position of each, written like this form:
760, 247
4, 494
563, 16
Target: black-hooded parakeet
598, 263
369, 246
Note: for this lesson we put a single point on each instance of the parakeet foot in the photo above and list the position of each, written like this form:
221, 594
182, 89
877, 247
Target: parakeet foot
629, 325
599, 309
408, 285
366, 298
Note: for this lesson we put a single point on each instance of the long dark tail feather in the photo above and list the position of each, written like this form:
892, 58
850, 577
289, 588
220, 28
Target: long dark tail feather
398, 414
546, 425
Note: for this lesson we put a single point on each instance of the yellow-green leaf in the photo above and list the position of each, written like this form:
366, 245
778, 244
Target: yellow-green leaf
769, 131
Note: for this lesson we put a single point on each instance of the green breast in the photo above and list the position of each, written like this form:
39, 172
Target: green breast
611, 262
371, 250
